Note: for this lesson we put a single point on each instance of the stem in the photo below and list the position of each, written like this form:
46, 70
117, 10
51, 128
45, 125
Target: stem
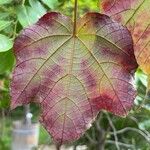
58, 146
120, 144
15, 30
101, 137
75, 147
140, 132
75, 17
114, 131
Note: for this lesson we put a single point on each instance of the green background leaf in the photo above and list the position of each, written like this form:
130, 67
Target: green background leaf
5, 2
4, 24
50, 3
28, 15
37, 7
5, 43
6, 61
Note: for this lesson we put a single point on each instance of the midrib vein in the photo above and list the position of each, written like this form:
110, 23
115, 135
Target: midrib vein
68, 87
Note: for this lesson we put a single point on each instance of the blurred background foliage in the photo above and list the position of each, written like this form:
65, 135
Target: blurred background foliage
108, 131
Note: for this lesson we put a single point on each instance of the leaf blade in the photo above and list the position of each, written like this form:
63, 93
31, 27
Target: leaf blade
5, 44
50, 3
2, 2
7, 61
29, 15
68, 75
130, 13
4, 24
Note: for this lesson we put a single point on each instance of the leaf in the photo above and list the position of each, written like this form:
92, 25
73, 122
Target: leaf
6, 61
4, 15
2, 2
140, 76
23, 14
5, 43
144, 125
29, 15
135, 14
50, 3
73, 78
4, 93
4, 100
37, 7
4, 24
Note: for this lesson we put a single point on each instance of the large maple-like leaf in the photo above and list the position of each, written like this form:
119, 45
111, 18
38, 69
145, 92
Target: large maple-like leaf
74, 77
135, 14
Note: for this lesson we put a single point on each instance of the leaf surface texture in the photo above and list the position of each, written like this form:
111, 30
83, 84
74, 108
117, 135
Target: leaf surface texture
71, 77
135, 14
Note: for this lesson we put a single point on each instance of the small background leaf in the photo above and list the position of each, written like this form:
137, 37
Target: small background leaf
4, 99
4, 24
3, 15
28, 15
6, 61
2, 2
5, 43
37, 7
51, 3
